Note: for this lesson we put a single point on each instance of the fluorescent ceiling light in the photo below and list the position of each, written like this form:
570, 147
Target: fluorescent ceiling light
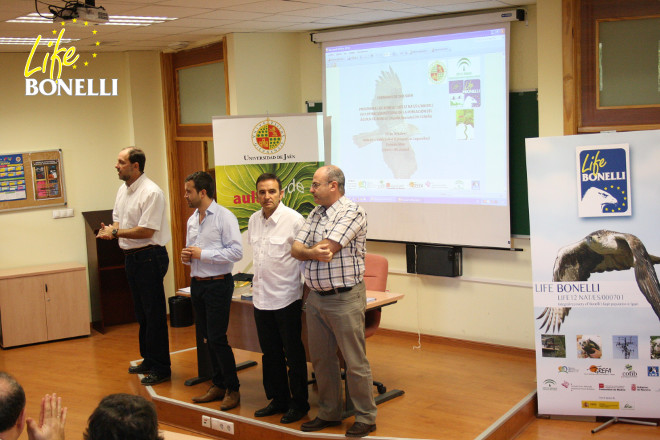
30, 41
115, 20
33, 18
128, 20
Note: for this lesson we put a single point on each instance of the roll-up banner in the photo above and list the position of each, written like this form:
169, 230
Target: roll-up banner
289, 146
594, 210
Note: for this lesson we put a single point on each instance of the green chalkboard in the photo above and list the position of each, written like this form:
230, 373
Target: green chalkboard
523, 123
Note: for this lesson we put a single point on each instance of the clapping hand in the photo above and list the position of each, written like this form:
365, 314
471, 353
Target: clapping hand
52, 419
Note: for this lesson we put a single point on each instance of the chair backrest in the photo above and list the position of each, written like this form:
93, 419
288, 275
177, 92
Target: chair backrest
375, 272
375, 278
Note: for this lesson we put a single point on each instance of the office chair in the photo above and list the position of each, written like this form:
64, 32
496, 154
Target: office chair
375, 278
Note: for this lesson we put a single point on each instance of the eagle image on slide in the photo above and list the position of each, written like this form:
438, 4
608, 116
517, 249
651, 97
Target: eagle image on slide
603, 251
393, 131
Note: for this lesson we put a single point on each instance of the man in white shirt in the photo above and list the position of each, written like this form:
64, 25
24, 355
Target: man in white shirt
140, 224
277, 296
213, 245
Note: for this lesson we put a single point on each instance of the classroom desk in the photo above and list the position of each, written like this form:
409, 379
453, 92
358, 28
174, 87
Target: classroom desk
242, 334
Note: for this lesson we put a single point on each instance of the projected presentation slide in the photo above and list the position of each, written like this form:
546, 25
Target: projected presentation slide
421, 120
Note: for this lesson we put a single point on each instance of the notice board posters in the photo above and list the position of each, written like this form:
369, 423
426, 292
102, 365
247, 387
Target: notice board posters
31, 180
12, 177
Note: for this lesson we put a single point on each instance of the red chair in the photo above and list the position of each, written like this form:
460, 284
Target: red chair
375, 278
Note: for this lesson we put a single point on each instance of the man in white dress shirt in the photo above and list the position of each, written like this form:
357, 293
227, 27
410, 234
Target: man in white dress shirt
277, 296
141, 227
213, 245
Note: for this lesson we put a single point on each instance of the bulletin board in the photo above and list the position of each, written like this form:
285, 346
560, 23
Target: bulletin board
31, 180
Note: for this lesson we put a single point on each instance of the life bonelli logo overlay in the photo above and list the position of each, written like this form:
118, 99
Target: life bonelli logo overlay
45, 73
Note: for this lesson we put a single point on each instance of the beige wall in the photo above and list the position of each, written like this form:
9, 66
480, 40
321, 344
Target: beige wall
523, 72
264, 76
90, 131
551, 92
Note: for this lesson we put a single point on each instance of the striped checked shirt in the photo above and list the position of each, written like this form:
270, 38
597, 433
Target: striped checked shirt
345, 223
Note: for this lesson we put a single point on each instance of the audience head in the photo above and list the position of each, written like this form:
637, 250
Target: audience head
123, 417
12, 407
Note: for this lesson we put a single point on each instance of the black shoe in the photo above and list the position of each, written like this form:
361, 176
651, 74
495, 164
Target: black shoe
272, 408
139, 369
360, 429
155, 378
318, 424
292, 415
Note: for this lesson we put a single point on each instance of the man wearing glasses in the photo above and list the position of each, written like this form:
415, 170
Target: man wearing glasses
332, 243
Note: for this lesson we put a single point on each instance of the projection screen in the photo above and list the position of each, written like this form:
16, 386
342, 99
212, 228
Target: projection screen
418, 122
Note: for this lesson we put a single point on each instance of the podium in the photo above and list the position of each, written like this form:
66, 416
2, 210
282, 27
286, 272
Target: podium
110, 295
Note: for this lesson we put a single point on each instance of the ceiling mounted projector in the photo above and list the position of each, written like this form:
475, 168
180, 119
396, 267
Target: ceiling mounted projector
83, 12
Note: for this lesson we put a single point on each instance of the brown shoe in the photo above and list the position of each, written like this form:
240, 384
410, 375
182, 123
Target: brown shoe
360, 429
318, 424
214, 393
231, 400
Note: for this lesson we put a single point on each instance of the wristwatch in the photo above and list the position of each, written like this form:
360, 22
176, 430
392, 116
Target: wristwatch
114, 232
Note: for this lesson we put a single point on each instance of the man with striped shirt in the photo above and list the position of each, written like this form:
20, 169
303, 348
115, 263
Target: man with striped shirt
332, 243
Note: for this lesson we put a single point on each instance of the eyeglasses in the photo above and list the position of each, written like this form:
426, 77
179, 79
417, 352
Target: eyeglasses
316, 185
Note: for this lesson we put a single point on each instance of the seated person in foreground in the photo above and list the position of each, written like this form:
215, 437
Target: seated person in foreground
13, 419
123, 417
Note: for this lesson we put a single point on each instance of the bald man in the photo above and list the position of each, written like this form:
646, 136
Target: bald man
13, 418
332, 243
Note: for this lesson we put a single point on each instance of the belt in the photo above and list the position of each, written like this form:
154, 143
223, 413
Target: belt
217, 277
140, 249
333, 291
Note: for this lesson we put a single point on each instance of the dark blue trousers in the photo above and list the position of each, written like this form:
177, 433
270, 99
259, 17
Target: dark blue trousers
145, 271
279, 334
211, 301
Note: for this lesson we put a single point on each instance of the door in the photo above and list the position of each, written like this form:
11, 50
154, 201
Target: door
195, 90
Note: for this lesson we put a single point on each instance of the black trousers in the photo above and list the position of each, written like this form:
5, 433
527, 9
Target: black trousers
145, 271
279, 334
211, 301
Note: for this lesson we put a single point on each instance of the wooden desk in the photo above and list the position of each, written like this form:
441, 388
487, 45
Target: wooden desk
242, 334
242, 330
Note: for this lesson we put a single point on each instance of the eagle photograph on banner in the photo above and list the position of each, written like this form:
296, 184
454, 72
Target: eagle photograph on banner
594, 262
289, 146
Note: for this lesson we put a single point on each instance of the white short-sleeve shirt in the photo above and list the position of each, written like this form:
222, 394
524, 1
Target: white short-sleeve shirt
142, 204
277, 275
